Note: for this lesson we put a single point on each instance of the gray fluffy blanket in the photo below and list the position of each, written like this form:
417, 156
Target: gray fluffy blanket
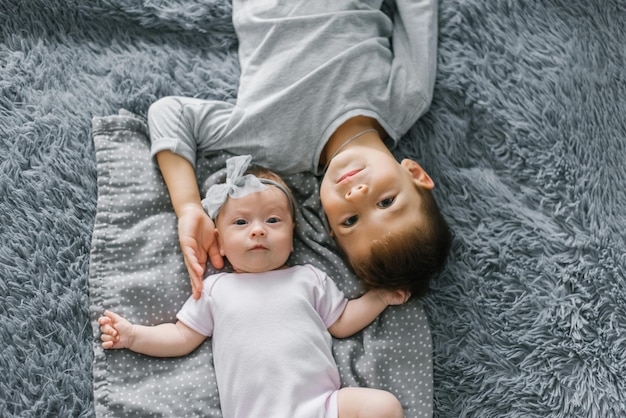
526, 141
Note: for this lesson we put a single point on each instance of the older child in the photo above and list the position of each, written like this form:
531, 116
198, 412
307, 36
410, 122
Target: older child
269, 323
327, 87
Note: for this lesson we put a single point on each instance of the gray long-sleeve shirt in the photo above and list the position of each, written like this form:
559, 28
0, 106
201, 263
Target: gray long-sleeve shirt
307, 67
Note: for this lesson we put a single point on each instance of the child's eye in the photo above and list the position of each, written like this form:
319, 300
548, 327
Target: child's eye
385, 203
240, 222
272, 220
351, 220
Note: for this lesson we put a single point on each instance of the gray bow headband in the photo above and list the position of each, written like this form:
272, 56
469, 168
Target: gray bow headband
238, 185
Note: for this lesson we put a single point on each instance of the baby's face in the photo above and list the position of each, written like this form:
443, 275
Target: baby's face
255, 232
367, 195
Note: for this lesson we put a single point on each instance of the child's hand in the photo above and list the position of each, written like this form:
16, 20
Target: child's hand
116, 331
196, 233
394, 297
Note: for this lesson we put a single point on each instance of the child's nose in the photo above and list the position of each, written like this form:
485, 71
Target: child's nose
258, 229
356, 192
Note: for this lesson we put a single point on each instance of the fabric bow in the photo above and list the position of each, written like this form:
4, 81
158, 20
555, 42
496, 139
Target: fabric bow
237, 185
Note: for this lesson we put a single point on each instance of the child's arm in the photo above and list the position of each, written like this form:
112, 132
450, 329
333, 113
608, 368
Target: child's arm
196, 231
360, 312
165, 340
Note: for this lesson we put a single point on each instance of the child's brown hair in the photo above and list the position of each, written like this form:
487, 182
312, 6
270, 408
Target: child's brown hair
408, 260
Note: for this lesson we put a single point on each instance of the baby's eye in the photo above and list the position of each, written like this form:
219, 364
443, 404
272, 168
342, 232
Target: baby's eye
240, 222
385, 203
351, 220
272, 220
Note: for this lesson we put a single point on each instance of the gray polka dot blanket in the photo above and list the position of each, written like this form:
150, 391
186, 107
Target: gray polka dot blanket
137, 270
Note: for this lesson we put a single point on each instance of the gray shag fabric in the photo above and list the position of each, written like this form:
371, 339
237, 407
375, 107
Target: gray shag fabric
526, 141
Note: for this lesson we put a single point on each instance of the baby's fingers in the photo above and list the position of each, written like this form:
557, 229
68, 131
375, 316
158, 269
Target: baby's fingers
109, 338
107, 344
108, 330
105, 326
104, 320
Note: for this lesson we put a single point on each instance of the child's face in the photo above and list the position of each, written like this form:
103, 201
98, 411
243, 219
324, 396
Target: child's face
367, 194
255, 232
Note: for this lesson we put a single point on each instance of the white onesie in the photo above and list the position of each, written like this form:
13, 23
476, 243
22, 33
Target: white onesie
272, 351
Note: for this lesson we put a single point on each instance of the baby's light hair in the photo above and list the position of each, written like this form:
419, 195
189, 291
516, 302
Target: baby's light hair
270, 178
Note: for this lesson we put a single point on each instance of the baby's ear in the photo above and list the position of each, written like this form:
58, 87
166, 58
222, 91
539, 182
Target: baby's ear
420, 176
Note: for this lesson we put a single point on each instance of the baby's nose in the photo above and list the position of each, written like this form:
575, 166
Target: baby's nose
258, 229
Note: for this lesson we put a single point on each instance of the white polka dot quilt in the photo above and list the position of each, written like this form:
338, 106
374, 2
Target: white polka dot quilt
136, 269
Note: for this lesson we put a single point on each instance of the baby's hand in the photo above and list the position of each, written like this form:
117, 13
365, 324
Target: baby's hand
116, 331
395, 297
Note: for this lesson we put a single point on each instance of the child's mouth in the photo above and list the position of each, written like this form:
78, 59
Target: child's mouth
348, 175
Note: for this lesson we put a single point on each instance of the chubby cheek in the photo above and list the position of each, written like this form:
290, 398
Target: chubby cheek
229, 246
220, 242
334, 216
325, 191
331, 205
288, 241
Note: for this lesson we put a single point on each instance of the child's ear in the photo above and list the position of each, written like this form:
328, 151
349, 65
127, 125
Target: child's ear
420, 176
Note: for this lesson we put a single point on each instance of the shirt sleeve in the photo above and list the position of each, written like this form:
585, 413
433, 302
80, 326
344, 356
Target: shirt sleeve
187, 126
197, 314
330, 302
414, 43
